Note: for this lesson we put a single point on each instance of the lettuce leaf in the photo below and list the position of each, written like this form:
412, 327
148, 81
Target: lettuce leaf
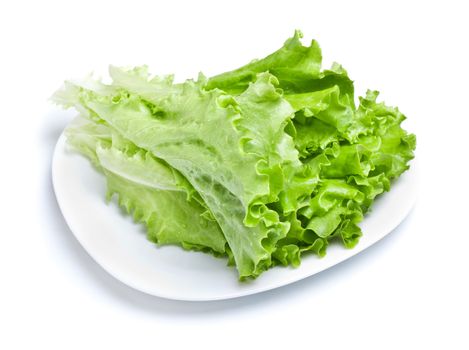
362, 147
148, 189
261, 164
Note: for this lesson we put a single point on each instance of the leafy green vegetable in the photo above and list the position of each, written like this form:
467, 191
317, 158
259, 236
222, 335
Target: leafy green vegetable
154, 193
261, 164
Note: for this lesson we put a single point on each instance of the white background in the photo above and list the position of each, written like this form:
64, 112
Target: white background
408, 291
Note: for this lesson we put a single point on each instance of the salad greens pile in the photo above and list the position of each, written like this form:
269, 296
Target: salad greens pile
260, 164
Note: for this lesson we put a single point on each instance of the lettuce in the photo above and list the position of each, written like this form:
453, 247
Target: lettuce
261, 164
154, 193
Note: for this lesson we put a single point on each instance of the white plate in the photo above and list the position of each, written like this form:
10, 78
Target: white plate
121, 248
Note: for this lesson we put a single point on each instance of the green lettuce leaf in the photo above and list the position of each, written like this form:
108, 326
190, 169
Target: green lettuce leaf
263, 164
147, 188
297, 68
364, 147
233, 150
